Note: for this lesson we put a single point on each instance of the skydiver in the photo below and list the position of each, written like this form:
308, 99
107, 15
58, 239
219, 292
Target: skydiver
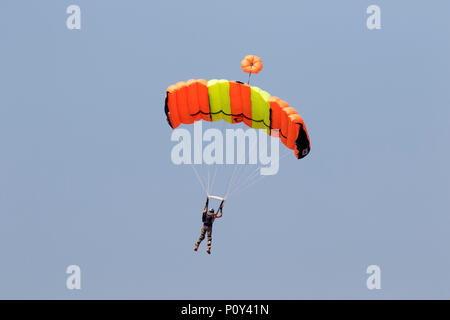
208, 217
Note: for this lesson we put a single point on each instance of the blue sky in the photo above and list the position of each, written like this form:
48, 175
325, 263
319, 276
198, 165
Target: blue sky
86, 176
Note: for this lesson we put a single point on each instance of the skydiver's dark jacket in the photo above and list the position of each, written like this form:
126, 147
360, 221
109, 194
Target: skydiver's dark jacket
207, 219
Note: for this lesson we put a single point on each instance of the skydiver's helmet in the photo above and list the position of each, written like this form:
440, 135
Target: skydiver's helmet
211, 211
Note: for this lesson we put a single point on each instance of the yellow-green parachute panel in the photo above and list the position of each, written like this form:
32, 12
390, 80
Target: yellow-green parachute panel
260, 108
219, 100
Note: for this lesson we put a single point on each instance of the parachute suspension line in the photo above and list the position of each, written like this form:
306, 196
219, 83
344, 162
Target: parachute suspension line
202, 176
213, 177
210, 174
218, 166
251, 183
240, 179
215, 166
253, 177
206, 172
247, 177
230, 181
245, 180
239, 175
250, 180
243, 175
200, 180
248, 81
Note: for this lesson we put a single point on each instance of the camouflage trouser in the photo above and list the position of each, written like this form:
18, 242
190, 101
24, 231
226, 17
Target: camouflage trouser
205, 229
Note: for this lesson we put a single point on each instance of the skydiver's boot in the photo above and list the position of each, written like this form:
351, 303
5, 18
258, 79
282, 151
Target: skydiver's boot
208, 250
196, 247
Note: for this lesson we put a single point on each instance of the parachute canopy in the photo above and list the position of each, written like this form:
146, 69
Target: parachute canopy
234, 102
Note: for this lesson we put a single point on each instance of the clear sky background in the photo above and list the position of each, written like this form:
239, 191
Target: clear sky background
86, 176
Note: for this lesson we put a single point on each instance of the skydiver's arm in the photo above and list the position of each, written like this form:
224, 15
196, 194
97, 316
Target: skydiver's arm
219, 215
206, 205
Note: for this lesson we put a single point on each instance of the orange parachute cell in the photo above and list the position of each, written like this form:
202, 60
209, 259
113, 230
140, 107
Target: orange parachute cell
187, 102
241, 106
251, 64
